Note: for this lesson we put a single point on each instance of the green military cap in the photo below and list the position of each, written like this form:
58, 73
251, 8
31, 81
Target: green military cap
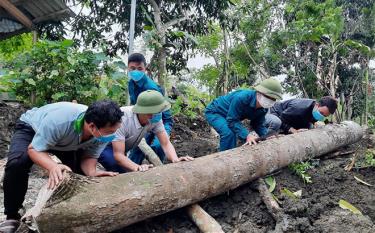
151, 102
270, 87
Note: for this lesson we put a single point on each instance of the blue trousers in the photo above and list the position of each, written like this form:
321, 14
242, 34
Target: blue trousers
272, 123
107, 160
228, 139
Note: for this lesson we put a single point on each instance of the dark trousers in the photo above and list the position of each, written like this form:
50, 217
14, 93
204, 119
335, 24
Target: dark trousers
18, 167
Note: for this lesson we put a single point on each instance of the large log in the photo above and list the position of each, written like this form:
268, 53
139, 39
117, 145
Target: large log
201, 218
111, 203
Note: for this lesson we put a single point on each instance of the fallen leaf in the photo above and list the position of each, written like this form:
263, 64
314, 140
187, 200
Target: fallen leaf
289, 193
347, 206
271, 183
298, 193
363, 182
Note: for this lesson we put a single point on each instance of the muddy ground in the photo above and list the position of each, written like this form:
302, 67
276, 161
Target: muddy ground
242, 210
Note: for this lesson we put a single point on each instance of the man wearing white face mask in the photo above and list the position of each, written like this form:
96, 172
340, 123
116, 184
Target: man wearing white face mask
138, 120
225, 113
292, 115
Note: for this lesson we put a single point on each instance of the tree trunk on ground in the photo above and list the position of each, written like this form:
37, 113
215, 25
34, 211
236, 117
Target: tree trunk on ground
109, 203
201, 218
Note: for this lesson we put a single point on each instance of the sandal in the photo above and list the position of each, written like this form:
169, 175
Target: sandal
9, 226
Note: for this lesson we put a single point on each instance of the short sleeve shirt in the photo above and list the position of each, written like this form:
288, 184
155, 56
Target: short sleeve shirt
131, 131
54, 129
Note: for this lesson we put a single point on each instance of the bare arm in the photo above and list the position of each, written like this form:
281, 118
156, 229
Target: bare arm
88, 166
122, 159
55, 170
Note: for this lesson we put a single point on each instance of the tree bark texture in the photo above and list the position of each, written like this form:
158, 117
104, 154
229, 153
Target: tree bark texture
201, 218
109, 203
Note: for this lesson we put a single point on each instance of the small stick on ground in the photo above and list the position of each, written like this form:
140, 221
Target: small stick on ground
197, 214
338, 153
350, 166
282, 220
271, 204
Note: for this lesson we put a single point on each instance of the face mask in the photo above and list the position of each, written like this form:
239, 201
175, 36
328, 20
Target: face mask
155, 118
136, 75
264, 101
104, 139
317, 115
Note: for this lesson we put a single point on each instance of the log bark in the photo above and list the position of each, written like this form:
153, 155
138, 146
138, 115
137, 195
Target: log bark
203, 220
111, 203
150, 155
197, 214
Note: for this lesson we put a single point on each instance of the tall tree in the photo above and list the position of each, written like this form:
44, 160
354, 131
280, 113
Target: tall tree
170, 22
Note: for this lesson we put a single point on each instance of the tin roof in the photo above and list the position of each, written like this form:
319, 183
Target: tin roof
37, 11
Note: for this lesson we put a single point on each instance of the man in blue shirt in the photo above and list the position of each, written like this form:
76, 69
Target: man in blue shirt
75, 133
138, 83
225, 113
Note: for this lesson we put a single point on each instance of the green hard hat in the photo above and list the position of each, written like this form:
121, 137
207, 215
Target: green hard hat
270, 87
151, 102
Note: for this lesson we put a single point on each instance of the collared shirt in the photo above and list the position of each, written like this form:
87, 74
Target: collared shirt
237, 106
54, 129
146, 83
296, 113
131, 131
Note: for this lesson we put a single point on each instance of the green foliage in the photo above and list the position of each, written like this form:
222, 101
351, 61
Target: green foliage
370, 159
371, 123
93, 24
191, 103
367, 161
300, 169
12, 47
56, 71
314, 19
208, 77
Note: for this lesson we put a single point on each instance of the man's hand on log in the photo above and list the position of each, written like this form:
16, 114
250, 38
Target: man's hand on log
56, 175
251, 139
302, 130
144, 167
183, 158
105, 173
293, 130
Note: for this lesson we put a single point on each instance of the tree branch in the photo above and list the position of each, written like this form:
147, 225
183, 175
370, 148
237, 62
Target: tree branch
176, 21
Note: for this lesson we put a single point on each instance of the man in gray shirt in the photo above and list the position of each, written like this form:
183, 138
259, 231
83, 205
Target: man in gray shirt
75, 133
138, 120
